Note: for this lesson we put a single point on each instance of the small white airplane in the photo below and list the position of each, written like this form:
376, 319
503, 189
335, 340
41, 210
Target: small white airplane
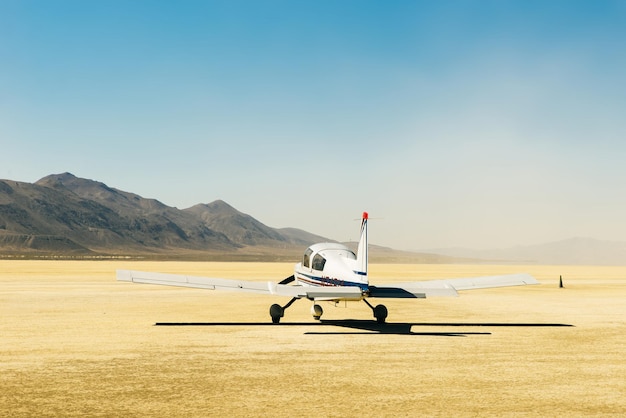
332, 272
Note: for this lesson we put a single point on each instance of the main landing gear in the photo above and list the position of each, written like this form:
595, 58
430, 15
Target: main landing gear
277, 311
380, 312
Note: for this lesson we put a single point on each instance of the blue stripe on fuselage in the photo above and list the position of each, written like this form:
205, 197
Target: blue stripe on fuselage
327, 281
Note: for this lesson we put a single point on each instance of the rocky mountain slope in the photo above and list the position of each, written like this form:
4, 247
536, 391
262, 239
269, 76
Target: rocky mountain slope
63, 213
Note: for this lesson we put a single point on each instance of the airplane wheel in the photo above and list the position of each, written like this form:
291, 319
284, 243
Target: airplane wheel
317, 311
380, 313
276, 312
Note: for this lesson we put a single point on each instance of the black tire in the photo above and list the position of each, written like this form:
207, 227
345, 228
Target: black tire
380, 313
276, 312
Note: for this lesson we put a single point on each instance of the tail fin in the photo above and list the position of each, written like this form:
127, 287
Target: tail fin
361, 252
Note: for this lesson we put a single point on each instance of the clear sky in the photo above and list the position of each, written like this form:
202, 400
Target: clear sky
457, 123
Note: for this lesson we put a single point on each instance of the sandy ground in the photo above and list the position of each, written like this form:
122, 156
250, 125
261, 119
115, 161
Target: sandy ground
75, 342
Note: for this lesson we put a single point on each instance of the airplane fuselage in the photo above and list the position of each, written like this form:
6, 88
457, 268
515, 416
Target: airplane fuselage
330, 264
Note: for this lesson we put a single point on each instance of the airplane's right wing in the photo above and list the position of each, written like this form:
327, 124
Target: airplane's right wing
449, 287
268, 288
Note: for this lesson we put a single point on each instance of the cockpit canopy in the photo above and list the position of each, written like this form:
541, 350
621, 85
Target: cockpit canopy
315, 256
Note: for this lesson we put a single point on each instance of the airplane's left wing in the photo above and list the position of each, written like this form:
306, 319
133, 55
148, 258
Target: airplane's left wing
268, 288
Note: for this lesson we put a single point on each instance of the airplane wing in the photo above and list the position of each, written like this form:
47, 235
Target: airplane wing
268, 288
449, 287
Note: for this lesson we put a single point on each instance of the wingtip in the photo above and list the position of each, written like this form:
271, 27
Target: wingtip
124, 276
530, 279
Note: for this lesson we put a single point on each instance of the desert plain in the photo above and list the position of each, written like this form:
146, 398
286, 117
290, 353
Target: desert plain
75, 342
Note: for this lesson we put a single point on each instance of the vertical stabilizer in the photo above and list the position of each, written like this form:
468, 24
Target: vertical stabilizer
361, 252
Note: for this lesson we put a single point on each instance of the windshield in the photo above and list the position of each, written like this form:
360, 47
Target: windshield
318, 262
307, 257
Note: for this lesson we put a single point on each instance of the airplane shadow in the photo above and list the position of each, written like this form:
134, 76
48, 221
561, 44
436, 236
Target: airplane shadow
372, 327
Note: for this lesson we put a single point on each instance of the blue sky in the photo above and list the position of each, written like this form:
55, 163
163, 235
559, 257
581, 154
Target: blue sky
456, 123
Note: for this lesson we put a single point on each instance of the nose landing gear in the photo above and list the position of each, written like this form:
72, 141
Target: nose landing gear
316, 311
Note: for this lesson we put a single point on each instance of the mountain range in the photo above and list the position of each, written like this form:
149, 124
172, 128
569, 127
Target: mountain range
62, 215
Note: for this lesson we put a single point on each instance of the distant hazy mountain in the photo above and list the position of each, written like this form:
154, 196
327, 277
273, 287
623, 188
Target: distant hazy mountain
581, 251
